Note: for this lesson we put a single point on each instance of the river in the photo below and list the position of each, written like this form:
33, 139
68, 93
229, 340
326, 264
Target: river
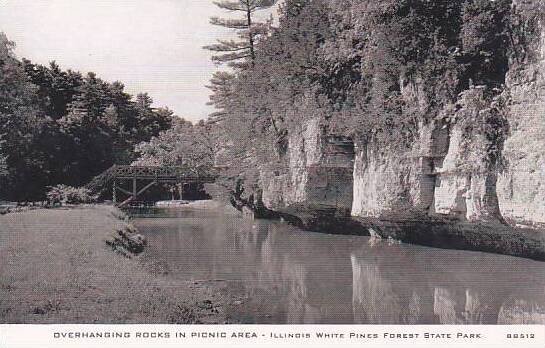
284, 275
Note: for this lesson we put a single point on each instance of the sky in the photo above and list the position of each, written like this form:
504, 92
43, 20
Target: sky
152, 46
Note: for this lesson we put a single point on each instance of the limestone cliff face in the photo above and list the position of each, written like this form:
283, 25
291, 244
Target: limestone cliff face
318, 175
452, 169
455, 170
481, 159
390, 180
464, 183
457, 167
446, 171
521, 186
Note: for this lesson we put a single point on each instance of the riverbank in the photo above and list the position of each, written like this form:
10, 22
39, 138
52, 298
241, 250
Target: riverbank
13, 207
490, 237
55, 267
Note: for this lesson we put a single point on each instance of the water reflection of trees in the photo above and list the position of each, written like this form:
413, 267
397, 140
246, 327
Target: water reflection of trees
290, 276
304, 277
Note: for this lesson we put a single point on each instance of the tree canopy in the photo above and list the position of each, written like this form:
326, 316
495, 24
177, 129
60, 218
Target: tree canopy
63, 127
184, 145
352, 64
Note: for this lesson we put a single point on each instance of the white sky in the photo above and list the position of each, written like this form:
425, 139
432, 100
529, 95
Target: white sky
152, 46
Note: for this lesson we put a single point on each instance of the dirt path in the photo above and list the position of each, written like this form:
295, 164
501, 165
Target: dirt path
56, 268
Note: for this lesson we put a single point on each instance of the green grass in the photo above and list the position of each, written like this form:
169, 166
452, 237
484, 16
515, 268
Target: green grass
55, 267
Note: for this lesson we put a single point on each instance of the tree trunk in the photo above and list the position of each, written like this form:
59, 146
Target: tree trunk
250, 35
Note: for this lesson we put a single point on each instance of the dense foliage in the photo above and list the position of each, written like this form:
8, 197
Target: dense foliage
364, 68
184, 145
62, 194
62, 127
370, 70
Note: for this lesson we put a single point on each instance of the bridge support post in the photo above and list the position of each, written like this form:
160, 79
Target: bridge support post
114, 193
119, 176
134, 189
181, 190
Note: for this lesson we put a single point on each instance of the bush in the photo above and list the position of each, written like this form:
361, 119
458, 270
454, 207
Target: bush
69, 195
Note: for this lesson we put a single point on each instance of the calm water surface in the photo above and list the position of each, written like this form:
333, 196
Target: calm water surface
292, 276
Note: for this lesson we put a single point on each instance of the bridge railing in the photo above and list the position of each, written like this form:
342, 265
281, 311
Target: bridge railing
165, 174
142, 171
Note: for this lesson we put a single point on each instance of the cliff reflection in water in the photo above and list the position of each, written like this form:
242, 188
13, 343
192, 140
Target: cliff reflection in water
287, 275
417, 285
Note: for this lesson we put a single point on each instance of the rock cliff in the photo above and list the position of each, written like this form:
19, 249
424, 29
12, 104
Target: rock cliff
448, 171
521, 186
318, 177
475, 167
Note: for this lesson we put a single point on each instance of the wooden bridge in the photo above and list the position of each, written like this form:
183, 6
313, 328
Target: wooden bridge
138, 179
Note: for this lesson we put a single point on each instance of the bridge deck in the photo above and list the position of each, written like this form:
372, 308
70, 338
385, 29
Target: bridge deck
169, 174
149, 176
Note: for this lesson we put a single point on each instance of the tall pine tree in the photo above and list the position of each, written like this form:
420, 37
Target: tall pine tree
238, 53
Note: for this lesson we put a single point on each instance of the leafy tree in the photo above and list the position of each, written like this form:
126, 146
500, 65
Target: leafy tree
60, 127
185, 145
368, 69
149, 121
3, 160
222, 95
56, 88
22, 127
485, 40
288, 66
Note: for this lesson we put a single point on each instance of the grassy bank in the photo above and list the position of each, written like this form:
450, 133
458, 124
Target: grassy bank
55, 267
